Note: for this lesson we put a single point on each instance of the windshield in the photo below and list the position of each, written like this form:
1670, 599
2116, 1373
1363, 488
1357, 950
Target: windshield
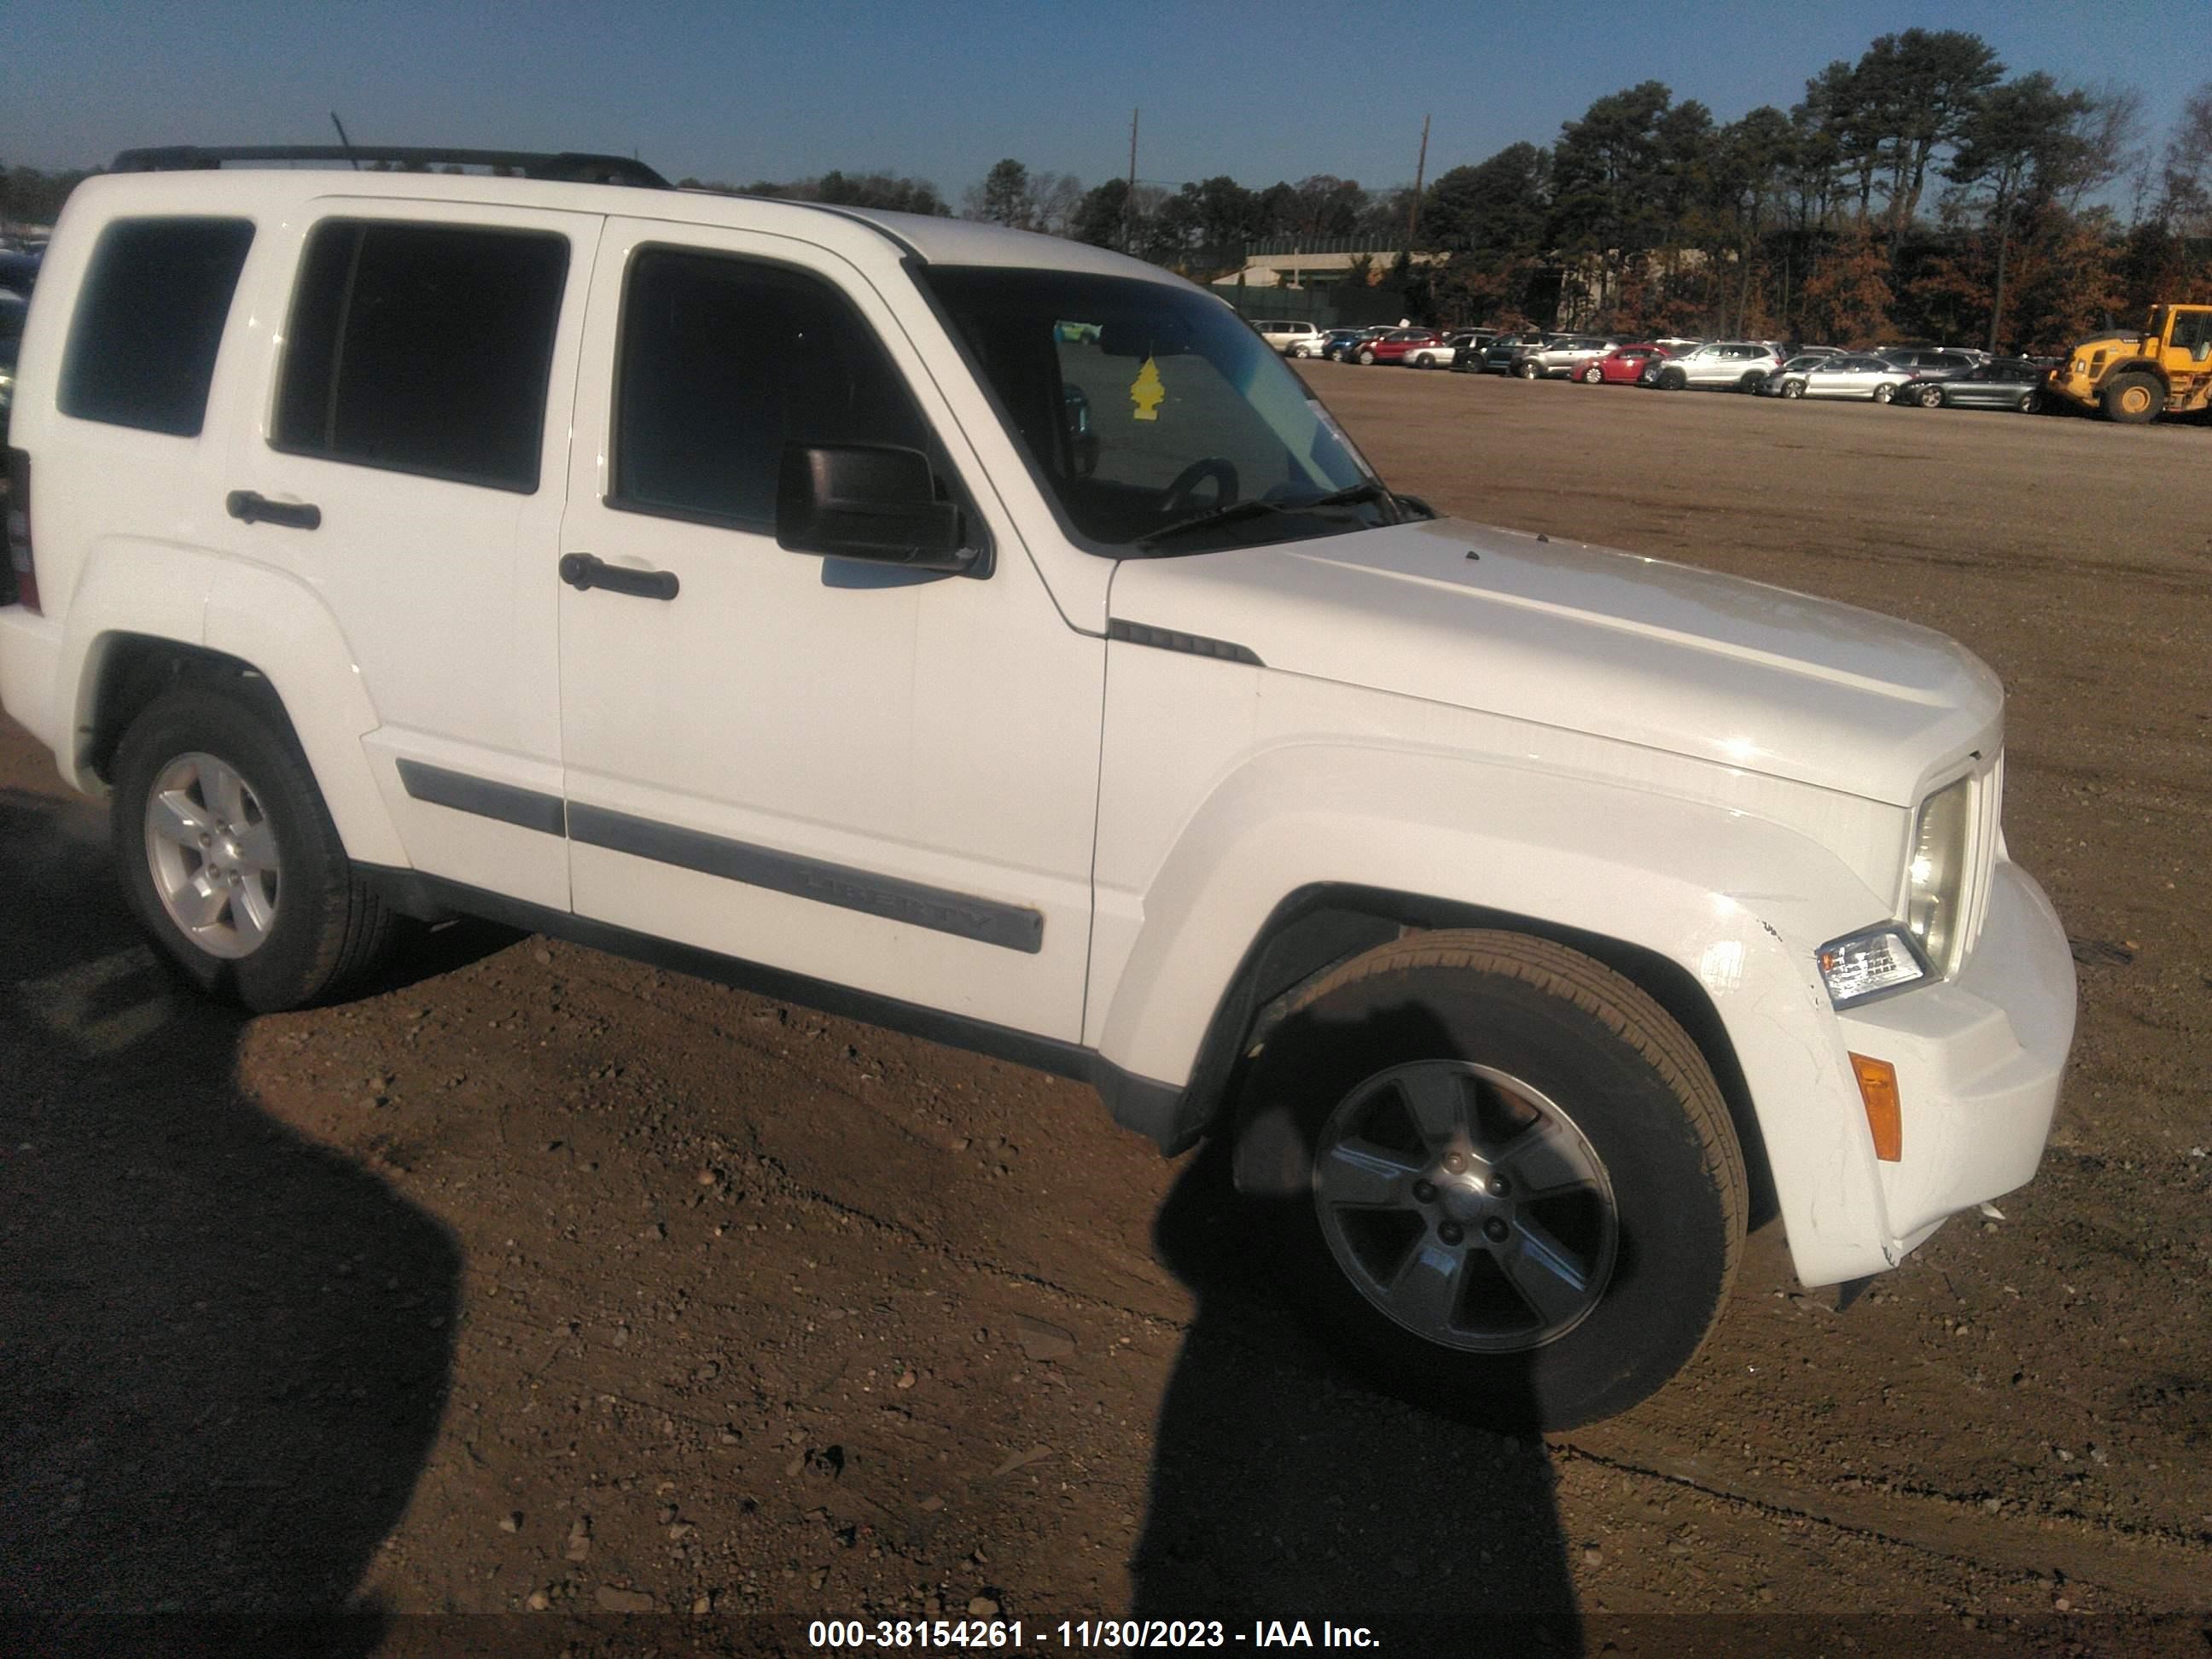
1154, 418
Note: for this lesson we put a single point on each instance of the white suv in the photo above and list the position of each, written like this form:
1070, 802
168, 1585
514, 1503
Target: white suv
987, 634
1722, 364
1292, 339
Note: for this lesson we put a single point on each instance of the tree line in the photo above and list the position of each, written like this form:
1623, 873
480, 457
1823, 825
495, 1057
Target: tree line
1923, 192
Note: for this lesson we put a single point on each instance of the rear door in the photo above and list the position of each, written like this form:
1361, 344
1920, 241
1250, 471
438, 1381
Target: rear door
416, 347
882, 779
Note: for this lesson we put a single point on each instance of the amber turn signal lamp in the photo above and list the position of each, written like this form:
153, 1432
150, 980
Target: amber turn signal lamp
1885, 1114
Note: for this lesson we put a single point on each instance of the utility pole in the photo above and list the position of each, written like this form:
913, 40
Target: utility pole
1420, 172
1129, 202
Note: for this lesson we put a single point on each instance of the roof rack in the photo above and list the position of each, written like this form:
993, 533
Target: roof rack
568, 167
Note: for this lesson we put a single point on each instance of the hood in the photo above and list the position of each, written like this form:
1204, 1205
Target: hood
1594, 640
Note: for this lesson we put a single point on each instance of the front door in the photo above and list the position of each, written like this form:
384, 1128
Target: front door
877, 778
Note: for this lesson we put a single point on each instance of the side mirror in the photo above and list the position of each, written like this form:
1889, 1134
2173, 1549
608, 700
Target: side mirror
866, 502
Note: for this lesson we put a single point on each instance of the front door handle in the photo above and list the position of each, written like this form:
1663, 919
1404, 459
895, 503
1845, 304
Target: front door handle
252, 507
586, 571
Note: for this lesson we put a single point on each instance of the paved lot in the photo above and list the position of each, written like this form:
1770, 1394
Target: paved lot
539, 1276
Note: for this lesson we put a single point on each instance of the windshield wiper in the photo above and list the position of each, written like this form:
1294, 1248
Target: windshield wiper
1354, 496
1214, 515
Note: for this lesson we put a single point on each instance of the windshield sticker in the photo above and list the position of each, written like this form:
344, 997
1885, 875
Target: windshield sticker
1146, 392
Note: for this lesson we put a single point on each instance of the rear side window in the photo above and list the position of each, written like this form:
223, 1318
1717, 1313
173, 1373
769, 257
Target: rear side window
149, 321
723, 362
424, 348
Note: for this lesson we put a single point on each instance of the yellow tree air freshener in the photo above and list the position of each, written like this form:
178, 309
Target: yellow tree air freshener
1146, 392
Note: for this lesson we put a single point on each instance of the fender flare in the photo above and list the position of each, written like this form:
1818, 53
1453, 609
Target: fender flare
264, 618
1738, 904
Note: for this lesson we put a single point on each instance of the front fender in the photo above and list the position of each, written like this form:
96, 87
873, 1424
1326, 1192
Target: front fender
1738, 902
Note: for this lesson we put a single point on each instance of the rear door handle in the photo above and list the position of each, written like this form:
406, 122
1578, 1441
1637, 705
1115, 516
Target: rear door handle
586, 571
252, 507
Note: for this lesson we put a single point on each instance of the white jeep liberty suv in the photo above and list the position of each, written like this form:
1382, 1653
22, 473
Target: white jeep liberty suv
989, 636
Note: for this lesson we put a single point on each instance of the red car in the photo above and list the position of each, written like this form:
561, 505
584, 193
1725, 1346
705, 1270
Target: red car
1622, 365
1391, 348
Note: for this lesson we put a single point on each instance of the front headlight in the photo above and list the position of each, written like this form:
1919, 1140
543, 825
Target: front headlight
1935, 883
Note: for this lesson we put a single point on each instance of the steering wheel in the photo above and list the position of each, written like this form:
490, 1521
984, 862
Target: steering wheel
1177, 498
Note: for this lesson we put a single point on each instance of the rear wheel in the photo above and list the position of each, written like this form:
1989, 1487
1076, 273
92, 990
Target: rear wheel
2133, 398
230, 858
2030, 402
1884, 392
1506, 1180
1749, 383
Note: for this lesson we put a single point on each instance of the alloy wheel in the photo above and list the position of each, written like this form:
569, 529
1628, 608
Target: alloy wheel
213, 854
1467, 1205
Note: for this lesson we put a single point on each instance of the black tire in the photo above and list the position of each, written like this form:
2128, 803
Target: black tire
2132, 398
1673, 379
2031, 403
1639, 1096
1526, 371
1930, 397
1593, 376
328, 929
1884, 392
1367, 357
1750, 382
1793, 388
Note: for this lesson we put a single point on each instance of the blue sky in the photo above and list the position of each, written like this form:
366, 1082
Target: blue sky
739, 92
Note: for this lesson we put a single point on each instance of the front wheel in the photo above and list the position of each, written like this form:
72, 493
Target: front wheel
230, 858
2133, 398
1793, 388
1526, 371
1503, 1180
1592, 374
1673, 380
1931, 397
1884, 392
1367, 357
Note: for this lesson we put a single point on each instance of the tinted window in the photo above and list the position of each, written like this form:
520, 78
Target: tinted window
143, 346
724, 362
424, 348
2191, 330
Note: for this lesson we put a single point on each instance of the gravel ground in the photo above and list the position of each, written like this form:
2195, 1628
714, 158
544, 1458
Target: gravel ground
543, 1284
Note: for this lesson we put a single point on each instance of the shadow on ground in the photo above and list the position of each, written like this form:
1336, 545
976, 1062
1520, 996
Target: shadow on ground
1283, 1489
224, 1350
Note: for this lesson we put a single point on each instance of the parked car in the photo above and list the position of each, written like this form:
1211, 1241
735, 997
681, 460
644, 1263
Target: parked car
1512, 920
1720, 365
2014, 383
1284, 337
1622, 366
1855, 374
1558, 357
13, 308
19, 272
1394, 345
1441, 354
1342, 342
1931, 362
1497, 357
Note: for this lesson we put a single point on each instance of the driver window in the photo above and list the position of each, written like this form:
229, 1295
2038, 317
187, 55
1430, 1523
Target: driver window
723, 362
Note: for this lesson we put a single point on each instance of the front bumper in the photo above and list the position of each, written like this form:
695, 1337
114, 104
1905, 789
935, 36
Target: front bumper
1980, 1059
